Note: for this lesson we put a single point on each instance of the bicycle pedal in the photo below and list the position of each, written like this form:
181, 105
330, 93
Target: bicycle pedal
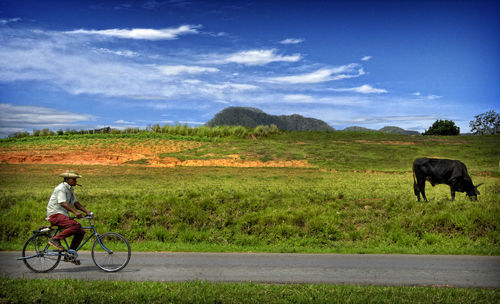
57, 245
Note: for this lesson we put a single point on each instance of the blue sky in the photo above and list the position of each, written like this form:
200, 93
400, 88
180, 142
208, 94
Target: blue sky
90, 64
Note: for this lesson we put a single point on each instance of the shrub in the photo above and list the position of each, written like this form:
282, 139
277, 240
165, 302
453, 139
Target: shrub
443, 127
20, 134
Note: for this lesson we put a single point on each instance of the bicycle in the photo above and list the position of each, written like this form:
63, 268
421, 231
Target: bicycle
110, 251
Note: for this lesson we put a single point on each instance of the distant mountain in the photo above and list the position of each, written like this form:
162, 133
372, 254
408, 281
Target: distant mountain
387, 129
398, 130
252, 117
358, 129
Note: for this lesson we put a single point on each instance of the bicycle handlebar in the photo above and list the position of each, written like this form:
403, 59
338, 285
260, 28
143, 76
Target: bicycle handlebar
89, 217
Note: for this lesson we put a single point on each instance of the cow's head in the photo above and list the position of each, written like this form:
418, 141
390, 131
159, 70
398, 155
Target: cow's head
472, 193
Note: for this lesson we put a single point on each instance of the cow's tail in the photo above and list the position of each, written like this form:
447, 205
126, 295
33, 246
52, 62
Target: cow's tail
416, 189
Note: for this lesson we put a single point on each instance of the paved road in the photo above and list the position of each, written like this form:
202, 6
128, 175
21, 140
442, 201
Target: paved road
394, 270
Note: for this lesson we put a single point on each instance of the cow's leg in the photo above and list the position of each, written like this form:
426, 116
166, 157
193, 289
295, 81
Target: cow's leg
416, 190
421, 185
423, 195
453, 187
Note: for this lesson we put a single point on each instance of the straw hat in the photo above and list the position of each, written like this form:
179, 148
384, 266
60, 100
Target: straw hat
70, 174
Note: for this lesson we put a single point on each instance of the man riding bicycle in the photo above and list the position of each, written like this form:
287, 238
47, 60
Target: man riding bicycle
61, 201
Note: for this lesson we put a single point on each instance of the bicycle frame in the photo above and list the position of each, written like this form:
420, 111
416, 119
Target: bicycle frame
104, 257
94, 233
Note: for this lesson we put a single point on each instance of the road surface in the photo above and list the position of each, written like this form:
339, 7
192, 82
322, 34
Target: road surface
359, 269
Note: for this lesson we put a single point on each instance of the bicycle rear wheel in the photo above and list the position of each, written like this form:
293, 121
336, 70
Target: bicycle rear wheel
111, 252
38, 257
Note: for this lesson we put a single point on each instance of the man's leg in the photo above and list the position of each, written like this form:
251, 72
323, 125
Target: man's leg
71, 227
77, 238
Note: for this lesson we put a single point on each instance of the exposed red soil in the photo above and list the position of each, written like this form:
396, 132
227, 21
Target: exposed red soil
141, 156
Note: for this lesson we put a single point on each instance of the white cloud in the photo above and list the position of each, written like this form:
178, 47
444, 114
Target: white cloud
256, 57
151, 4
123, 6
121, 121
323, 100
15, 118
50, 59
322, 75
291, 41
231, 86
142, 33
428, 97
364, 89
313, 100
432, 97
7, 21
314, 77
191, 122
298, 98
124, 53
184, 69
33, 115
366, 58
388, 119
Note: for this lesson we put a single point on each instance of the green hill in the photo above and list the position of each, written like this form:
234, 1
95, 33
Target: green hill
386, 129
358, 129
398, 130
252, 117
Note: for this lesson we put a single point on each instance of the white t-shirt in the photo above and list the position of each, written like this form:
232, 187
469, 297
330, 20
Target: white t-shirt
62, 193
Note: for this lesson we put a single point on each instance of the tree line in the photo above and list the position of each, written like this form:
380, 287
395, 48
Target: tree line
487, 123
182, 130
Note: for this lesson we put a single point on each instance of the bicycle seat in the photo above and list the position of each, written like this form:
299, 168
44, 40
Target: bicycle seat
43, 229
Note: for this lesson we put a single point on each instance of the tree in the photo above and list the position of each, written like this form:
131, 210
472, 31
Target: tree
443, 127
485, 123
20, 134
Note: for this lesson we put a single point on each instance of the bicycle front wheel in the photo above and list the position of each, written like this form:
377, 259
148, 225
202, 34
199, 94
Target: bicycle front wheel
111, 252
37, 255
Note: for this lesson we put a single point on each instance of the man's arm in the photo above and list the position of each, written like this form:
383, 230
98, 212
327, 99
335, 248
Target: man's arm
80, 207
71, 209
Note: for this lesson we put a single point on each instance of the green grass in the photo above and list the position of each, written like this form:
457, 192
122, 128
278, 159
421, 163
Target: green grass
357, 197
356, 150
73, 291
259, 209
154, 132
330, 150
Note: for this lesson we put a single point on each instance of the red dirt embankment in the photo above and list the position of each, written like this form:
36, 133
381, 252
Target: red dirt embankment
137, 156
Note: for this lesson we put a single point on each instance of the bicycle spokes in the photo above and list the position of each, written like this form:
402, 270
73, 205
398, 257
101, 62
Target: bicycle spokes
37, 255
111, 252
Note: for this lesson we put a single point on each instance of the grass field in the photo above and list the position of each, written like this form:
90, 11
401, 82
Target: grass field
345, 151
72, 291
356, 196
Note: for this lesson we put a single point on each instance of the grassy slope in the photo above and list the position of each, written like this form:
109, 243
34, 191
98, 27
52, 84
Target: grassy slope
349, 209
357, 151
72, 291
304, 210
331, 150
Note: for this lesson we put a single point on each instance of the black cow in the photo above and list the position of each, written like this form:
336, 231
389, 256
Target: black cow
442, 171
